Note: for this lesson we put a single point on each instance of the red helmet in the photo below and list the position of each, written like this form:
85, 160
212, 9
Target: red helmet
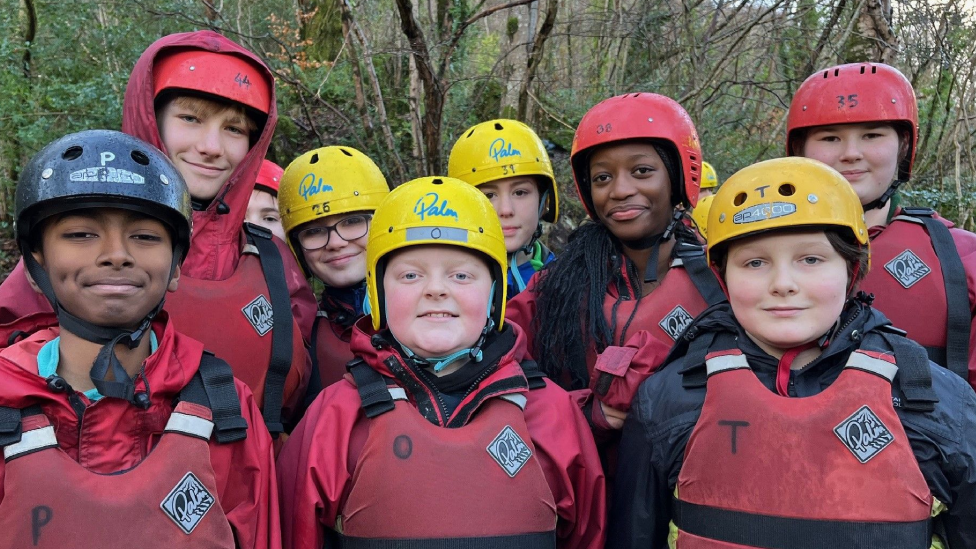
851, 94
269, 177
638, 116
220, 74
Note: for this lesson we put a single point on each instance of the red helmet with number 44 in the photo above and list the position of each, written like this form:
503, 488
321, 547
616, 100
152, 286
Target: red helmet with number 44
636, 116
852, 94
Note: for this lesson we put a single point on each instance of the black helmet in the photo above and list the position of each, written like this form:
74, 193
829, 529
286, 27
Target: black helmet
102, 169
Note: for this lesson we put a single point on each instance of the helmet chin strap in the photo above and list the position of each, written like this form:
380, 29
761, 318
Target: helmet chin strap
654, 241
122, 386
880, 202
474, 353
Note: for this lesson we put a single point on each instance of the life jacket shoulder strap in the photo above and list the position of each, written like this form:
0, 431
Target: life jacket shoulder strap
14, 441
373, 388
10, 425
533, 374
958, 319
914, 378
692, 256
281, 334
213, 386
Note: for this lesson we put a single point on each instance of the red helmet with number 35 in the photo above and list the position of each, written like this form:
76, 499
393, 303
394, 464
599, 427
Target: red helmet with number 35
851, 94
637, 116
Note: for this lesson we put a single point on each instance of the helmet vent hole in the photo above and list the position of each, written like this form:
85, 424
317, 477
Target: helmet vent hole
874, 70
499, 126
826, 74
862, 70
437, 181
787, 189
470, 133
72, 153
140, 158
345, 152
739, 199
836, 72
314, 159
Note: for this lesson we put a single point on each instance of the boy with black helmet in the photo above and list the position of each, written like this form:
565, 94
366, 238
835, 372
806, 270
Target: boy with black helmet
104, 223
443, 435
209, 104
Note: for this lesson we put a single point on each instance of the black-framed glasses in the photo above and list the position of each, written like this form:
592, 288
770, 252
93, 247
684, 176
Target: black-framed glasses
350, 228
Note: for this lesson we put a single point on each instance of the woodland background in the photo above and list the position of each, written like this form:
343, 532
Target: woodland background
400, 79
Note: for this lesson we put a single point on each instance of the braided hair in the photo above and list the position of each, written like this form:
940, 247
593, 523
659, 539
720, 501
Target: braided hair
571, 290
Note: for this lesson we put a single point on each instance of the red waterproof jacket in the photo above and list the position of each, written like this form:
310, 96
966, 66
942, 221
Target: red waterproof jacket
318, 462
217, 242
659, 319
909, 288
117, 436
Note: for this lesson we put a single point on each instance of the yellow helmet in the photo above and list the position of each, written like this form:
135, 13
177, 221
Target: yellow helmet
502, 148
328, 181
700, 214
435, 210
709, 178
784, 193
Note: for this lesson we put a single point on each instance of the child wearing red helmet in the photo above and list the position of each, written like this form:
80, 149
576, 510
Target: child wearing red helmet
862, 120
262, 208
635, 273
209, 104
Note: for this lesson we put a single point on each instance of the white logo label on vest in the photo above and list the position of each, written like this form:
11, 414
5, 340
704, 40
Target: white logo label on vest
675, 322
187, 503
907, 268
864, 434
510, 451
259, 314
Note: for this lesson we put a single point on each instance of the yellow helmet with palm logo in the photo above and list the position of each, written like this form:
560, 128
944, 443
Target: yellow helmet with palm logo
435, 210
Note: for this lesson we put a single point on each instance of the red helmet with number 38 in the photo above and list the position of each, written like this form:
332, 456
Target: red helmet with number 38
639, 116
851, 94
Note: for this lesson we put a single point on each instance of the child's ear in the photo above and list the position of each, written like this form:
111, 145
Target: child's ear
174, 282
39, 257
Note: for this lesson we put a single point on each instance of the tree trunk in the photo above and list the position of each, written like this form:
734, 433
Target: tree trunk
535, 58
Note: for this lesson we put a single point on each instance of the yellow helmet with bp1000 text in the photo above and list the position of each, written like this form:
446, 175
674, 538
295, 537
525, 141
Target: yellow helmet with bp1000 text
784, 193
328, 181
435, 210
497, 149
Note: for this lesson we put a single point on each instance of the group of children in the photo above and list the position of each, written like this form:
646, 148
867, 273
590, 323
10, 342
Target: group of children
169, 376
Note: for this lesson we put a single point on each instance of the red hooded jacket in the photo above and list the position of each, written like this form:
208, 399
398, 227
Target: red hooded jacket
317, 464
217, 241
116, 436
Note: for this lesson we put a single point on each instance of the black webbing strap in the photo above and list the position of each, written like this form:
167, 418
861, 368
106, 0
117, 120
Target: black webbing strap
281, 333
541, 540
914, 376
10, 426
535, 376
936, 354
372, 388
213, 386
957, 291
772, 532
315, 380
693, 259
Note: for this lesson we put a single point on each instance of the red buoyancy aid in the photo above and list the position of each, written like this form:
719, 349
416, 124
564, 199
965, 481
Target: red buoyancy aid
233, 318
665, 312
831, 470
416, 482
331, 347
168, 500
907, 283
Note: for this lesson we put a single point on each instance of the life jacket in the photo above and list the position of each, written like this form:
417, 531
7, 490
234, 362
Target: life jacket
920, 284
13, 331
330, 351
247, 320
169, 499
831, 470
417, 485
